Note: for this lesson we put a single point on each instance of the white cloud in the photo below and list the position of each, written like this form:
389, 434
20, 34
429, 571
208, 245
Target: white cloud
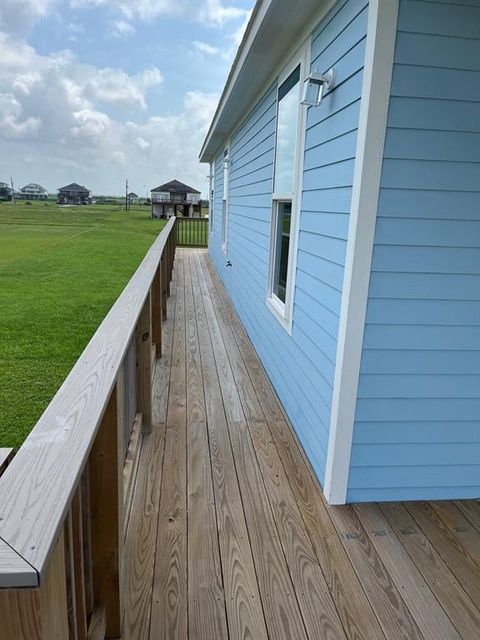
204, 47
209, 12
91, 123
114, 86
18, 16
25, 82
142, 143
122, 28
11, 123
239, 33
119, 158
214, 12
55, 107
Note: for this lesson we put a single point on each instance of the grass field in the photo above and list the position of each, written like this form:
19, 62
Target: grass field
61, 269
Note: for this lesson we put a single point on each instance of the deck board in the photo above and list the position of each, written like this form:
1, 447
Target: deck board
230, 536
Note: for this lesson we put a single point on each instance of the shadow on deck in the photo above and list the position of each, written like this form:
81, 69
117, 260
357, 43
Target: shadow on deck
229, 535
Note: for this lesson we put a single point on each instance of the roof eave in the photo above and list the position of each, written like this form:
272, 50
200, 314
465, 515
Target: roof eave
273, 29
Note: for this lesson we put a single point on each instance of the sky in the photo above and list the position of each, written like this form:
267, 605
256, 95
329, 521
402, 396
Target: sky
97, 91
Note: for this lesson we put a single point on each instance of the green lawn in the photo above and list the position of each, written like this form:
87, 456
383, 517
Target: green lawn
61, 269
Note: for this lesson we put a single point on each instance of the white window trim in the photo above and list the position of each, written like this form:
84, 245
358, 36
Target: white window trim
284, 311
225, 196
377, 76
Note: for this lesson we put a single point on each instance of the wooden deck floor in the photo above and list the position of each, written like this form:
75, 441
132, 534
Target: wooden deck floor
229, 535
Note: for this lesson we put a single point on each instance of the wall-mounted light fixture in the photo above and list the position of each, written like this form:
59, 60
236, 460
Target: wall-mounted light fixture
315, 86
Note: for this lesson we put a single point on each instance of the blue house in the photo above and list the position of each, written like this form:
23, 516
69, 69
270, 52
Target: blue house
345, 223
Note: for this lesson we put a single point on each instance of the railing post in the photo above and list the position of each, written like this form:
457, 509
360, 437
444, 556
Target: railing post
144, 364
106, 500
157, 312
40, 613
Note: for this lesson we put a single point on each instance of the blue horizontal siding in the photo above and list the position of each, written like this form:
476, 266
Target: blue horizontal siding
417, 433
301, 366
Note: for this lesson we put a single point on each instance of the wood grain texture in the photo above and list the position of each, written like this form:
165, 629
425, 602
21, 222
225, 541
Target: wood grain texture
471, 510
140, 543
45, 472
460, 526
353, 607
41, 613
143, 336
98, 624
449, 592
282, 612
315, 601
169, 603
244, 609
14, 570
130, 466
387, 602
161, 376
6, 456
449, 547
106, 501
156, 296
79, 565
206, 602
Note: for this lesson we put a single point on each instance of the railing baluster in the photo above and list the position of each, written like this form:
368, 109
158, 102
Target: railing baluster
78, 563
144, 364
157, 312
70, 578
87, 539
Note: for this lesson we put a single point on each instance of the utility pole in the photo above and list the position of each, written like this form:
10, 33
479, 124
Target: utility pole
126, 195
13, 191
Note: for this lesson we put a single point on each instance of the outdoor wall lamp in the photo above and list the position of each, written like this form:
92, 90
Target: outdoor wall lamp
315, 85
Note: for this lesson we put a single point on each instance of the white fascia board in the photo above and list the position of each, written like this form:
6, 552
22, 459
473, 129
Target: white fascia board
377, 76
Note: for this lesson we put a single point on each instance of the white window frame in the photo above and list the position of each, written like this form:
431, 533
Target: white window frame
283, 311
225, 192
211, 210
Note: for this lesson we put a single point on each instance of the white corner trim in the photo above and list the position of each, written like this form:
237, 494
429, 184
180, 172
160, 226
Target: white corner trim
377, 77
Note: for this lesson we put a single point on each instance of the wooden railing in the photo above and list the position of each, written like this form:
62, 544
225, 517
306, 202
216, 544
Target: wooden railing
63, 497
192, 232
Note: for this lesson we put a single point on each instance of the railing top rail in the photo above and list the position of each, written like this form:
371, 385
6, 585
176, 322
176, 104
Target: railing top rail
37, 487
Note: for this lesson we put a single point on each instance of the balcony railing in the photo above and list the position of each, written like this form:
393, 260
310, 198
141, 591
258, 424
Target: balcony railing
192, 232
64, 495
173, 199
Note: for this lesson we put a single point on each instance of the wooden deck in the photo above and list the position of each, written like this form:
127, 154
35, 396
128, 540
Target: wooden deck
229, 535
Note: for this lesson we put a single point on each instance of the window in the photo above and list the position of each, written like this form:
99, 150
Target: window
225, 199
285, 196
211, 209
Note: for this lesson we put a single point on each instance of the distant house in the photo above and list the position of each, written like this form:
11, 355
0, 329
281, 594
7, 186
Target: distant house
132, 198
33, 191
5, 191
345, 224
74, 194
174, 195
